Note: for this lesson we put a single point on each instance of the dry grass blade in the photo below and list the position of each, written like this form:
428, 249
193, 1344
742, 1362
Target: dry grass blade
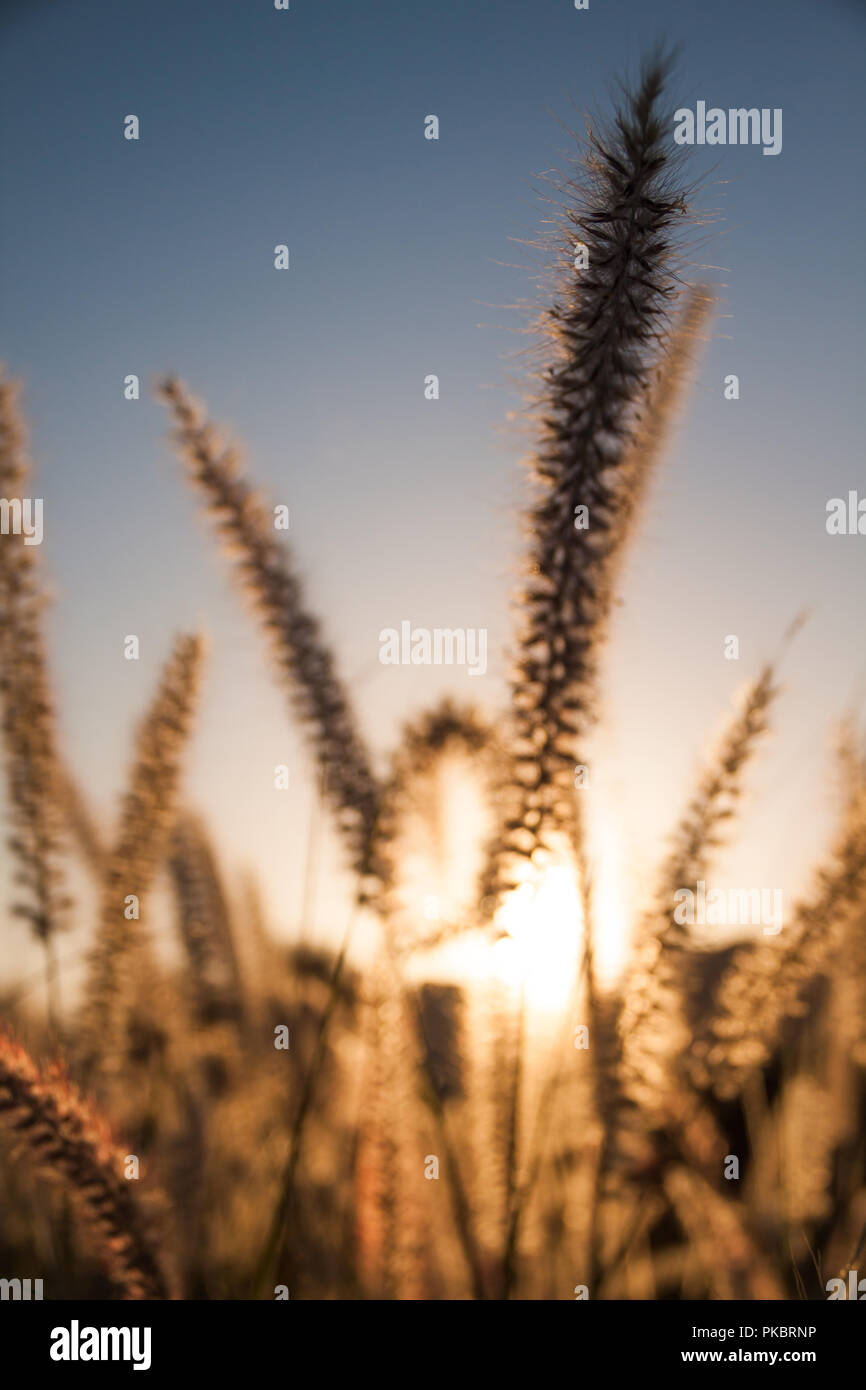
34, 772
446, 728
640, 1089
653, 1025
607, 335
66, 1141
205, 924
433, 1098
146, 817
264, 568
666, 392
764, 990
683, 1123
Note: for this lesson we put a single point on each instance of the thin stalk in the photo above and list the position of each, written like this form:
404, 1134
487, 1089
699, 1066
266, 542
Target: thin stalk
279, 1229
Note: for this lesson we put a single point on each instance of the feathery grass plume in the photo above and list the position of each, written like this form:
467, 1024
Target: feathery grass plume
440, 1012
66, 1140
804, 1139
266, 573
638, 1086
393, 1104
667, 387
34, 772
699, 833
464, 1222
607, 333
761, 999
146, 816
653, 1025
421, 747
425, 740
371, 1180
84, 829
635, 473
412, 1025
204, 923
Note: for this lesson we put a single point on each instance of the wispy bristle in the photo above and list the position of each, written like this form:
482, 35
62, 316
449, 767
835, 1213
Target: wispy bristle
607, 333
653, 1024
145, 821
764, 989
33, 765
205, 924
424, 740
65, 1140
267, 575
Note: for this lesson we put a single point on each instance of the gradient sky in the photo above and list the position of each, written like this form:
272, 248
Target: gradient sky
260, 127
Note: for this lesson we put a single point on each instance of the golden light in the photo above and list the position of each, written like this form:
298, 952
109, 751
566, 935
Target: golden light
540, 953
538, 957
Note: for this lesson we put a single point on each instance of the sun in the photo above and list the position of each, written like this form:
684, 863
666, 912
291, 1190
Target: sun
537, 957
539, 953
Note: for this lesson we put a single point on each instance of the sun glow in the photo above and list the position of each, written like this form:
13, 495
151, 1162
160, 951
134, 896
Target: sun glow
537, 957
539, 953
543, 921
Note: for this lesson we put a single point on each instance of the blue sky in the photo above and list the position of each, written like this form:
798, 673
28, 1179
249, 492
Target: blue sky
261, 127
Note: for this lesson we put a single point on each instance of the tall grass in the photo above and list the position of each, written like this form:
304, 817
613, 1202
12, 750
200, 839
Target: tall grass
425, 1136
33, 768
